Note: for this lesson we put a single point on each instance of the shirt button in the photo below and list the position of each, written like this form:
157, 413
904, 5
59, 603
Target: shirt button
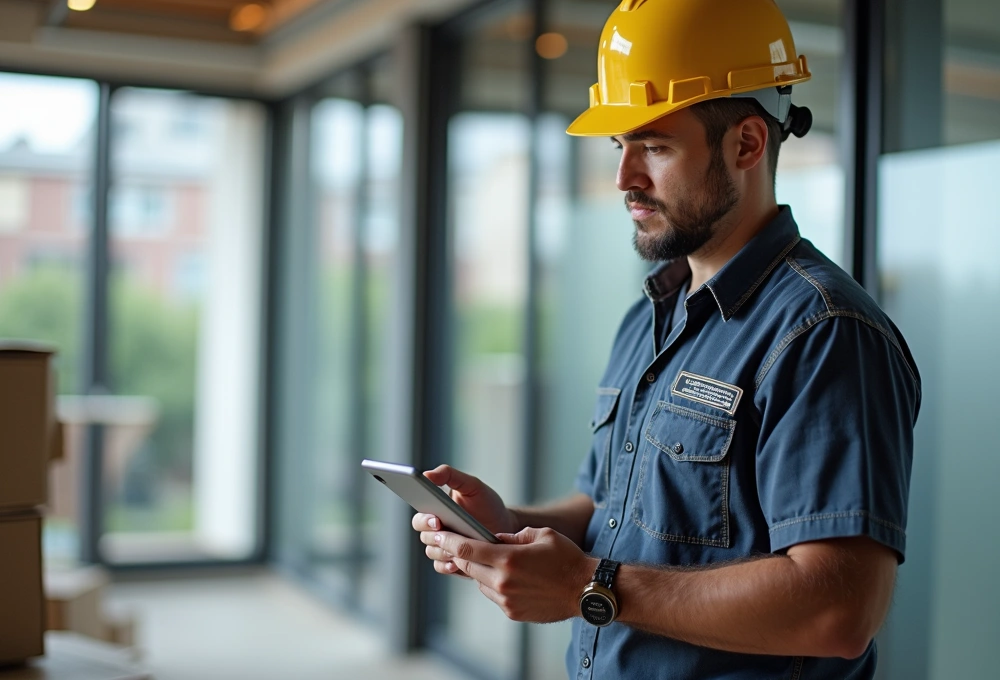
678, 448
586, 662
650, 377
629, 447
612, 522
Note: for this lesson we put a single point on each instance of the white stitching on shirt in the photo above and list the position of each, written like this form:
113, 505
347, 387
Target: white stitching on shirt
793, 263
739, 303
836, 515
814, 320
797, 668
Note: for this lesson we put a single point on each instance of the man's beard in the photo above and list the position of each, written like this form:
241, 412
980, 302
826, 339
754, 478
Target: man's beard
689, 224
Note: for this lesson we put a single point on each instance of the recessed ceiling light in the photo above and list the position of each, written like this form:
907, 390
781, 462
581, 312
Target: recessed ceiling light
80, 5
248, 17
551, 45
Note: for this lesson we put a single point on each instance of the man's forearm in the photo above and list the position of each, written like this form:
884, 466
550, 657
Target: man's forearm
825, 602
569, 516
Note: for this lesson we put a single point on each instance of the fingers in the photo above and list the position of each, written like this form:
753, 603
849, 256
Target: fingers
467, 549
443, 563
424, 522
435, 553
523, 537
455, 479
449, 569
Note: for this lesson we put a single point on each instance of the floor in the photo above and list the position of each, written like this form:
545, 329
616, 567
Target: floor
257, 626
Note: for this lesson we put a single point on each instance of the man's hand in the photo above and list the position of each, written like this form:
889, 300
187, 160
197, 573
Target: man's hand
536, 575
478, 499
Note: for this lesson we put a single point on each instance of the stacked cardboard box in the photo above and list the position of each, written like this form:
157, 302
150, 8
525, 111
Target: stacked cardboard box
29, 434
75, 602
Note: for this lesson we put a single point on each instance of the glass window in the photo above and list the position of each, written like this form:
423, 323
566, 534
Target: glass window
380, 252
181, 451
939, 233
46, 142
489, 158
810, 174
338, 127
344, 249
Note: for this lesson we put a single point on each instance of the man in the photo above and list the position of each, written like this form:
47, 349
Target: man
742, 510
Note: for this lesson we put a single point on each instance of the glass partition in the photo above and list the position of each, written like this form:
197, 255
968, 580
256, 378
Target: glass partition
46, 217
939, 233
489, 158
186, 231
810, 174
337, 279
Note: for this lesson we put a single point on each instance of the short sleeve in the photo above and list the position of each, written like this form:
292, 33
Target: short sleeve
838, 404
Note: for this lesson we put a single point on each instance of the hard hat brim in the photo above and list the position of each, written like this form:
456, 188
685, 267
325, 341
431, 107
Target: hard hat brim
608, 120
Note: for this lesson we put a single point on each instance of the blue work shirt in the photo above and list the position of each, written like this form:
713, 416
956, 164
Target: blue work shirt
779, 410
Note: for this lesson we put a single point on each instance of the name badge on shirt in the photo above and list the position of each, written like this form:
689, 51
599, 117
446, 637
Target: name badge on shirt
720, 395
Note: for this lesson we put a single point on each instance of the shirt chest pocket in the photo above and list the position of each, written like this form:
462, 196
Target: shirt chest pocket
602, 425
683, 489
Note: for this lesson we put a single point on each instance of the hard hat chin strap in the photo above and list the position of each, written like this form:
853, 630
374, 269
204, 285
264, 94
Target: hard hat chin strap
777, 101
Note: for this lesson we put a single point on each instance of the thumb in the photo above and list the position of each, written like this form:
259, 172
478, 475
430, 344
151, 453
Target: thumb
523, 537
455, 479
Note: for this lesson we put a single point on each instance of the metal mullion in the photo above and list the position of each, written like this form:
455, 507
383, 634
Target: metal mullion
95, 336
861, 101
293, 310
435, 380
277, 139
533, 402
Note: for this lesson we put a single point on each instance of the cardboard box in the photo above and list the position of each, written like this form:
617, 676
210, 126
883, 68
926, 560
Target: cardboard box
27, 423
120, 628
75, 600
22, 604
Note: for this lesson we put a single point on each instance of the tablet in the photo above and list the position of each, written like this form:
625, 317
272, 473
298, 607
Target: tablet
424, 496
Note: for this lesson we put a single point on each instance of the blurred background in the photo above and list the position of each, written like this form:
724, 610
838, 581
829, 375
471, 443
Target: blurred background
270, 239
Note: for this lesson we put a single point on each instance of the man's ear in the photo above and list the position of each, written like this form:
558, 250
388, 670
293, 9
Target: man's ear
752, 133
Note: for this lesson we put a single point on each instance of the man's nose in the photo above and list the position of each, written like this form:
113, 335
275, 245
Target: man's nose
631, 173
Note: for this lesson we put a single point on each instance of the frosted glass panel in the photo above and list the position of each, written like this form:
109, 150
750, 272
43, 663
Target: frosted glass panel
940, 235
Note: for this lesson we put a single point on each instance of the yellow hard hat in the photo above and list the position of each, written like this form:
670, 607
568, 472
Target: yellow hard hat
658, 56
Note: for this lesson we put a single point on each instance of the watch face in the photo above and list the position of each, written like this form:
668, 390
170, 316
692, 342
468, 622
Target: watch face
597, 609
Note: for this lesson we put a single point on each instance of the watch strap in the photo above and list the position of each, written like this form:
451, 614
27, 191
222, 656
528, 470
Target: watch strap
605, 572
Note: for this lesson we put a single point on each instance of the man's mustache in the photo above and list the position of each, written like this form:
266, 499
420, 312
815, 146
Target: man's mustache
638, 198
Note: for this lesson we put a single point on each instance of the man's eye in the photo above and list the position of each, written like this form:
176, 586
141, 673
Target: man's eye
653, 149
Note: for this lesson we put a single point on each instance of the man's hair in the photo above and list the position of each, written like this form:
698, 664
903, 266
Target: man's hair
718, 115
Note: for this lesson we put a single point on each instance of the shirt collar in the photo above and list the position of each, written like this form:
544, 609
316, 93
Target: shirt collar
739, 278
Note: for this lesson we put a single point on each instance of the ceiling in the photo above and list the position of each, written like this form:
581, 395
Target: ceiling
194, 44
220, 21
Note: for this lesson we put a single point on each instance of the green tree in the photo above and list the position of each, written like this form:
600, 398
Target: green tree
45, 305
153, 346
153, 353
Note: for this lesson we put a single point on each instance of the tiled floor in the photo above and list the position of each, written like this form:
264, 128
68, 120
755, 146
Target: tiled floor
256, 627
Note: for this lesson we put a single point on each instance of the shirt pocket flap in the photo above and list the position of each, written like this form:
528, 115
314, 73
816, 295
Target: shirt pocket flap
688, 435
604, 409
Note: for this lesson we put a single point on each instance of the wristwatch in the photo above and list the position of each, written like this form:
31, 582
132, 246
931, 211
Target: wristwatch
598, 604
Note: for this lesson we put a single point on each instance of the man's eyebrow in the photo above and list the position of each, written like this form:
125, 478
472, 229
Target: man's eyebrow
643, 135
